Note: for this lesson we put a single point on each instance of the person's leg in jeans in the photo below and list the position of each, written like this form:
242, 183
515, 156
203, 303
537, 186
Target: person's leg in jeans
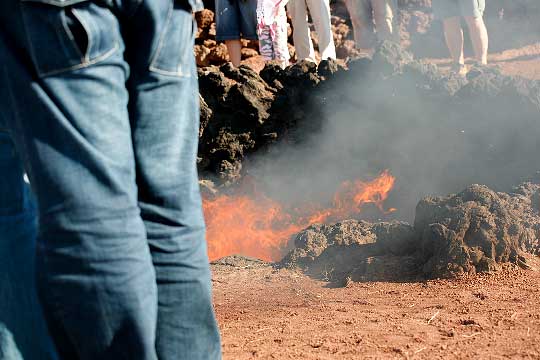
23, 334
165, 124
320, 13
98, 167
65, 102
301, 33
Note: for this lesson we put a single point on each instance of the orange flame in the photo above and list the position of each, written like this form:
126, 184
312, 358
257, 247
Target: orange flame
260, 227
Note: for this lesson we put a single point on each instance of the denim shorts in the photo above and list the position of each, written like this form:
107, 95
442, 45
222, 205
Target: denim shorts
444, 9
236, 19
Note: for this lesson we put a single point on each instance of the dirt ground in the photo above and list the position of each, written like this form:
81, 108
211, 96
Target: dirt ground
266, 313
523, 61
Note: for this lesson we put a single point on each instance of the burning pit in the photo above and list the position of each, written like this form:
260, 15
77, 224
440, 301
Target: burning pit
294, 153
258, 226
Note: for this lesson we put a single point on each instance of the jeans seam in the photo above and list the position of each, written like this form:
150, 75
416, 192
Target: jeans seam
84, 64
170, 73
152, 66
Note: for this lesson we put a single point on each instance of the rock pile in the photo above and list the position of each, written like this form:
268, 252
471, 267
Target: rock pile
474, 231
243, 112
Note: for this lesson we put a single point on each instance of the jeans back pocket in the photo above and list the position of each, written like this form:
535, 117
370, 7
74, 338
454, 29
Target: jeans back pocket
174, 55
66, 35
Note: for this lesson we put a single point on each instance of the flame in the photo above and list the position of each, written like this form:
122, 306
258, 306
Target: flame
261, 227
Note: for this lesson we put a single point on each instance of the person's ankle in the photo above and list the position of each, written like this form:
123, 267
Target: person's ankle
459, 69
480, 63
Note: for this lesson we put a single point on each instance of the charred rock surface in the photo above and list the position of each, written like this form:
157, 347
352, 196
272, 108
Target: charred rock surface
244, 112
476, 230
355, 249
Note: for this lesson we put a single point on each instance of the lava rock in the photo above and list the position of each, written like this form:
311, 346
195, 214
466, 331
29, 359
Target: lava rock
476, 230
390, 57
352, 247
327, 68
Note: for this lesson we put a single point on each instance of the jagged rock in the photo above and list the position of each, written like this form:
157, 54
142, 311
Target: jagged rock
351, 247
489, 82
204, 18
249, 53
477, 229
218, 55
206, 114
390, 57
236, 105
271, 72
302, 74
346, 49
201, 54
327, 68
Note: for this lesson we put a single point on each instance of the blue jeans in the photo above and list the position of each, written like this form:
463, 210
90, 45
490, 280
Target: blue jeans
102, 99
23, 334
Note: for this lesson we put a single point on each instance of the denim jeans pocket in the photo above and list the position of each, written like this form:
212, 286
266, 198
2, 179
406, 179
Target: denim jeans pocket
66, 35
174, 55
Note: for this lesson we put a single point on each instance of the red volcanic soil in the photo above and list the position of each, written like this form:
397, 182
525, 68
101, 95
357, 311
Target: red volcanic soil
266, 313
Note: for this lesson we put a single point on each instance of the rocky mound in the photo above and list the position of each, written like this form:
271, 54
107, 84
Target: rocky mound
242, 112
355, 249
476, 230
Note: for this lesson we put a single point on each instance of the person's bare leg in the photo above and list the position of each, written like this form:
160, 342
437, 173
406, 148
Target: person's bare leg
453, 35
479, 38
234, 47
361, 22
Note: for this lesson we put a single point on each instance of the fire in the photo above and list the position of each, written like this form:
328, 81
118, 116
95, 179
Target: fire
258, 226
